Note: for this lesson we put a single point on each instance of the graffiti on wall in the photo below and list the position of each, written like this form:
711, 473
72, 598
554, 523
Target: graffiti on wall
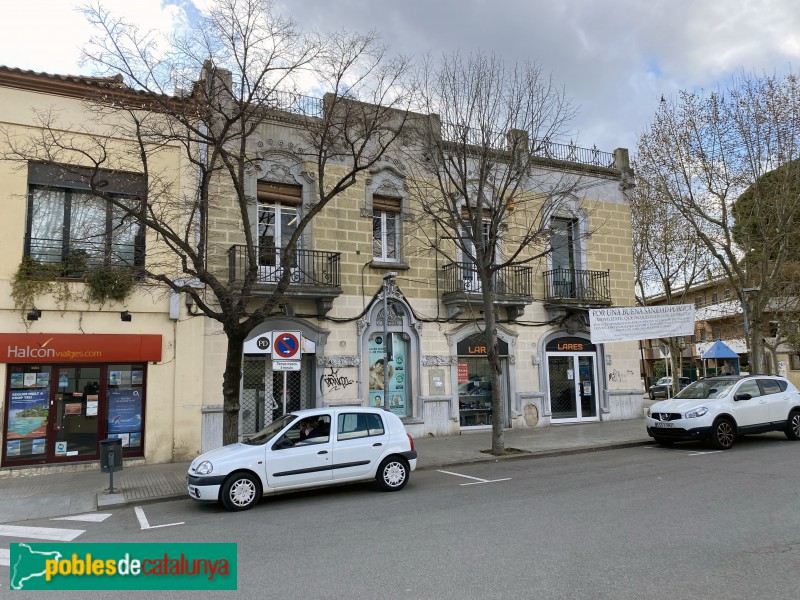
335, 382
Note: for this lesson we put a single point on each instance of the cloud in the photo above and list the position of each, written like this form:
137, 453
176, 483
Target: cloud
614, 59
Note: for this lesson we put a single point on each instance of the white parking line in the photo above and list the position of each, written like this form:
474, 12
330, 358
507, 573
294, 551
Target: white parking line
477, 481
41, 533
90, 518
143, 522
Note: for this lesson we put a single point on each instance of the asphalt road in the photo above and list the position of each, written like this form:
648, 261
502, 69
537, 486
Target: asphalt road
646, 522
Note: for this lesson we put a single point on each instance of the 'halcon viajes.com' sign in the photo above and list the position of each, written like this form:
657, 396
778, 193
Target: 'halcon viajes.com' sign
640, 323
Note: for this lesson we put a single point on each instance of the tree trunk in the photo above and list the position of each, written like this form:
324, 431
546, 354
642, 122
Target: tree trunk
230, 389
756, 346
493, 357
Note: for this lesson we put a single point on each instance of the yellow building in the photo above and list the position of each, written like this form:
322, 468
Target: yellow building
75, 371
362, 252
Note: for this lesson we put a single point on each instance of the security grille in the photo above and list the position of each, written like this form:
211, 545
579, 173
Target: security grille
562, 388
262, 398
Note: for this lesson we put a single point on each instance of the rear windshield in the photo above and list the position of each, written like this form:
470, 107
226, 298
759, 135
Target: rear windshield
710, 388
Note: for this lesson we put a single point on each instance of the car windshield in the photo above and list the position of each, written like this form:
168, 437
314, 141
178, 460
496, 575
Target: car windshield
266, 434
707, 388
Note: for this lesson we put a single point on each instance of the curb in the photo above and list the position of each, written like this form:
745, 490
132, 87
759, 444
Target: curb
528, 454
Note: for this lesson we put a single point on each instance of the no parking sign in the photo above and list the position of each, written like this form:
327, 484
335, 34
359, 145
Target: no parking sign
286, 345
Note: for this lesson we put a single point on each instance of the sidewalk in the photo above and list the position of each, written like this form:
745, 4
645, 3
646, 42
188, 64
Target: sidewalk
61, 494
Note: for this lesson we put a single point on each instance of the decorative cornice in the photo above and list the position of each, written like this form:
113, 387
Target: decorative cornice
338, 361
439, 361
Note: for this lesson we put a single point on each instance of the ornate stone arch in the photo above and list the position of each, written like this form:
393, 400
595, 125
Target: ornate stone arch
388, 181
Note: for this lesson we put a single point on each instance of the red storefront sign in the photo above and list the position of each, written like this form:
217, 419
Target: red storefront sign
68, 348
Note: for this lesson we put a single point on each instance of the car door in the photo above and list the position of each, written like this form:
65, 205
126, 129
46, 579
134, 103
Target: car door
777, 395
361, 440
295, 462
753, 411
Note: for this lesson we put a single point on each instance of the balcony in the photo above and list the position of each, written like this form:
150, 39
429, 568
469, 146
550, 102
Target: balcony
571, 287
461, 287
314, 276
73, 259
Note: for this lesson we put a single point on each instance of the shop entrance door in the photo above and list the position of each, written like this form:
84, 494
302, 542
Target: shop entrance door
74, 417
573, 387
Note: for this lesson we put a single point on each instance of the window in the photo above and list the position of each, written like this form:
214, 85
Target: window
749, 387
716, 332
770, 386
726, 295
703, 335
699, 301
714, 298
278, 212
358, 425
386, 229
68, 224
794, 362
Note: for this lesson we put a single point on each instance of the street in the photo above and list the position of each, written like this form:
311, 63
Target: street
645, 522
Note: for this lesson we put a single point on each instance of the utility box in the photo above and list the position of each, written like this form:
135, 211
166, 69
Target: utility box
110, 455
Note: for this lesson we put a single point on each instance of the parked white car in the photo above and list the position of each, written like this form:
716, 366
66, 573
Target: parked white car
719, 409
305, 449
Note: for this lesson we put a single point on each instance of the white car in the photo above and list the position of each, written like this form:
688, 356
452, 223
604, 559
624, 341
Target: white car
305, 449
719, 409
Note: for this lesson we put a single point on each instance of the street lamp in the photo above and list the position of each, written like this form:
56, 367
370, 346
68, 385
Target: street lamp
386, 279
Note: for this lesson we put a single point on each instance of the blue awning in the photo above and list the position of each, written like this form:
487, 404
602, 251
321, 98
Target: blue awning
719, 350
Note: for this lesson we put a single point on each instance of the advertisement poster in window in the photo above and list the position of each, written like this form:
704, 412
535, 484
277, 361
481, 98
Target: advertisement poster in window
124, 411
27, 413
396, 388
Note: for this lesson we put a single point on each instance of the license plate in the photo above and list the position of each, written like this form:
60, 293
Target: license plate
663, 424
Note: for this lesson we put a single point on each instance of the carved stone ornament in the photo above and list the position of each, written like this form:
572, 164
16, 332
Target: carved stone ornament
276, 173
439, 361
574, 323
394, 320
338, 361
361, 326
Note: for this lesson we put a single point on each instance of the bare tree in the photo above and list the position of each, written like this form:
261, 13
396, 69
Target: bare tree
668, 256
701, 151
484, 182
251, 63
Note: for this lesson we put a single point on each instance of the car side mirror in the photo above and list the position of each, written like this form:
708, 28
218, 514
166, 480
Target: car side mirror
742, 396
282, 444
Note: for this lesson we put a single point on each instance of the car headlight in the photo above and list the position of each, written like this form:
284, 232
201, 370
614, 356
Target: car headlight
697, 412
204, 468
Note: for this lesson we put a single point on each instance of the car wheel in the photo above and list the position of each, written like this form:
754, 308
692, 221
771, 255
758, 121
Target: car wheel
664, 441
393, 474
240, 491
723, 434
793, 426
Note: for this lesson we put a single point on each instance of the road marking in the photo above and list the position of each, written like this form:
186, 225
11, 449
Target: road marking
477, 481
91, 518
5, 557
41, 533
146, 525
689, 452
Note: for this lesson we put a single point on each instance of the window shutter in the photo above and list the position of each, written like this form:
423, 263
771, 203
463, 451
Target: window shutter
386, 204
279, 192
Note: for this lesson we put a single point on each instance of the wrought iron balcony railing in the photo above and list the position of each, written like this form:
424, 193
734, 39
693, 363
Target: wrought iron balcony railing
463, 278
72, 258
577, 285
311, 268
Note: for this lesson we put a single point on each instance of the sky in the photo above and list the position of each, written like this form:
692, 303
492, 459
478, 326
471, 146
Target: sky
615, 59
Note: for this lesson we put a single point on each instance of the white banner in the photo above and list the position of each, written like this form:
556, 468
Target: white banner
640, 322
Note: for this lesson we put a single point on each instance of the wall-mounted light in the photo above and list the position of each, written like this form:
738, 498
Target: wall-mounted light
34, 315
126, 316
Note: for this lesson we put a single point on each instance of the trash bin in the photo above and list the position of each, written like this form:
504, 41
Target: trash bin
110, 455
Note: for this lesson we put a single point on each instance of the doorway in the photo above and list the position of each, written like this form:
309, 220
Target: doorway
572, 381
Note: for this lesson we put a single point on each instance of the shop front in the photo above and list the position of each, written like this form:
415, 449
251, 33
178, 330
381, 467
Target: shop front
474, 380
64, 393
572, 380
